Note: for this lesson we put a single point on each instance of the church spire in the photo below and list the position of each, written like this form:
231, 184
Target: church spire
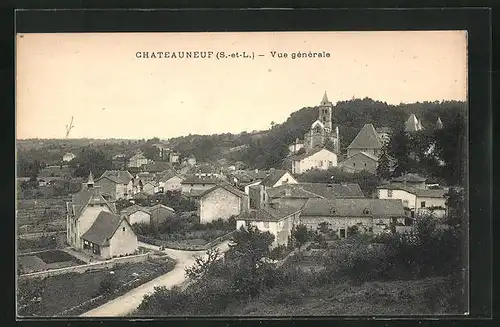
325, 100
90, 182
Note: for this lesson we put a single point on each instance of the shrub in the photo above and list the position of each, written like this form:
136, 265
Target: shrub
108, 284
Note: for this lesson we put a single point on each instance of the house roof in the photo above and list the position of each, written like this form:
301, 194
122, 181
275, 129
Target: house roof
412, 178
334, 191
160, 207
270, 213
133, 209
439, 123
117, 176
227, 187
361, 153
308, 154
325, 100
274, 177
367, 138
137, 156
157, 166
193, 179
103, 228
412, 124
167, 176
423, 193
291, 191
353, 208
88, 196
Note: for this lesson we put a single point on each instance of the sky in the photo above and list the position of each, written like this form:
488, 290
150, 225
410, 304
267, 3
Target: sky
98, 79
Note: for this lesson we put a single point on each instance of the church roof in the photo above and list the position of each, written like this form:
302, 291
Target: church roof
439, 123
413, 124
367, 138
317, 122
325, 101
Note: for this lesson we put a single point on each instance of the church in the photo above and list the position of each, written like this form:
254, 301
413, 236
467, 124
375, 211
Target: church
322, 134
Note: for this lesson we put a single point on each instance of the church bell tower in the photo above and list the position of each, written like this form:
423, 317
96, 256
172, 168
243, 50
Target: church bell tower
325, 113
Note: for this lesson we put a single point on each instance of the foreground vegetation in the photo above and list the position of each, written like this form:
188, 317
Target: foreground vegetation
414, 273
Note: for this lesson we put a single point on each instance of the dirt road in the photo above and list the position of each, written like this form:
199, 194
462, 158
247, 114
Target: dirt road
127, 303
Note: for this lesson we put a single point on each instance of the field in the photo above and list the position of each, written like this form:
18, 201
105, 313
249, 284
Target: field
58, 293
41, 215
51, 259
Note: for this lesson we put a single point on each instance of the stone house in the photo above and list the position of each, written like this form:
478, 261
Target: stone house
170, 181
275, 177
341, 214
360, 161
117, 183
275, 218
160, 213
367, 141
109, 236
137, 161
82, 212
192, 186
222, 201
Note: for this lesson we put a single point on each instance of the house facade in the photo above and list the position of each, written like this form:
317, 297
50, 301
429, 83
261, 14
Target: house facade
136, 215
319, 158
276, 219
160, 213
360, 161
276, 177
109, 236
117, 183
193, 186
222, 201
170, 182
68, 157
417, 201
341, 215
137, 161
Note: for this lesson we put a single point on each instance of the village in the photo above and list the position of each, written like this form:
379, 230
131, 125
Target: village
158, 216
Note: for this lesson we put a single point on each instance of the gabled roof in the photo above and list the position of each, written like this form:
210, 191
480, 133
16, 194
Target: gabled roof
137, 156
317, 122
117, 176
410, 177
88, 196
103, 228
424, 193
413, 124
291, 191
269, 213
167, 176
354, 208
157, 166
361, 153
160, 207
193, 179
367, 138
439, 123
227, 187
334, 191
309, 154
274, 177
133, 209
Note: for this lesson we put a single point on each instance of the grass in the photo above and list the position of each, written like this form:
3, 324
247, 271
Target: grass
414, 297
62, 292
52, 259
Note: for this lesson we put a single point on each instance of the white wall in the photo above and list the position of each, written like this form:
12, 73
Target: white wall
287, 178
219, 203
280, 229
123, 241
186, 188
85, 221
139, 217
431, 202
336, 223
323, 159
173, 184
409, 200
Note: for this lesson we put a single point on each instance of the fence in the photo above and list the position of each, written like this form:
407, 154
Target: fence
87, 267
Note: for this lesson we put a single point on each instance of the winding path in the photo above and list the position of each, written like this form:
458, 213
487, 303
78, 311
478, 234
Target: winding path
127, 303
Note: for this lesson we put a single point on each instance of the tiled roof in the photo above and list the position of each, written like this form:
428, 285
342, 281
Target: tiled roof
424, 193
103, 228
291, 191
353, 208
273, 177
160, 206
133, 209
367, 138
410, 178
307, 154
192, 179
117, 176
334, 191
165, 176
158, 166
268, 213
361, 153
88, 195
227, 187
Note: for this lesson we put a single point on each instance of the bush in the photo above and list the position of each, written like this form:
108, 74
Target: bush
108, 284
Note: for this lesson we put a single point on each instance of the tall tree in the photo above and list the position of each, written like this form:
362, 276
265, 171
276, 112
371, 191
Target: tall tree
399, 149
383, 168
91, 160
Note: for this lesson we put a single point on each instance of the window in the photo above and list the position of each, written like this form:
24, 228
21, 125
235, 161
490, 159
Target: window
123, 229
342, 233
422, 204
405, 203
412, 214
365, 164
366, 211
192, 184
266, 224
354, 164
321, 163
389, 194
